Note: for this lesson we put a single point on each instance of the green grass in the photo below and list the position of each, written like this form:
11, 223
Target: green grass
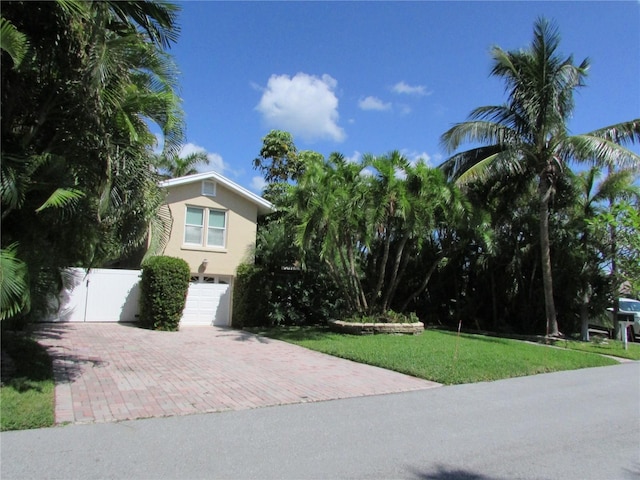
440, 356
614, 348
27, 397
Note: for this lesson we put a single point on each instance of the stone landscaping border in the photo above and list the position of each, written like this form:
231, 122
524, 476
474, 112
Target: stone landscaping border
373, 328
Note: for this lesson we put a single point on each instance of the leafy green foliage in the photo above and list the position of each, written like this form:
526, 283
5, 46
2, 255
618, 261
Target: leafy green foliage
12, 41
164, 285
371, 230
250, 297
76, 185
174, 166
281, 163
265, 295
619, 229
14, 292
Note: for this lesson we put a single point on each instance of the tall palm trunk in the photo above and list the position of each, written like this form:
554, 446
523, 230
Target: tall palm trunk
545, 190
425, 281
394, 280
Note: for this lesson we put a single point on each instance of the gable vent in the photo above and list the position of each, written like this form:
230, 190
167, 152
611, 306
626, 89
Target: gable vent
209, 188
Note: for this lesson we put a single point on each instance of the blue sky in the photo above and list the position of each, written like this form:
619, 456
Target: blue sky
372, 77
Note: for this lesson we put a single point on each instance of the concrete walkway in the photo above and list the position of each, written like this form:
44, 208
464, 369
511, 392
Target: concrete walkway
108, 372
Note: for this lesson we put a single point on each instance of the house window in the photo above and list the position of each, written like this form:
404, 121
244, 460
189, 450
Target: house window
194, 225
216, 228
209, 279
198, 220
209, 188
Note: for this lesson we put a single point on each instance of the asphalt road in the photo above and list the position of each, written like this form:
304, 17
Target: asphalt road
582, 425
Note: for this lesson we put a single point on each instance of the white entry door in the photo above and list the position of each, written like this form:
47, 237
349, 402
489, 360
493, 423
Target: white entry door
207, 304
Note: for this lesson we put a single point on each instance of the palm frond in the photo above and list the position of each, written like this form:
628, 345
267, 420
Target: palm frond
478, 131
62, 198
157, 19
12, 41
14, 286
456, 165
619, 185
620, 133
601, 151
159, 232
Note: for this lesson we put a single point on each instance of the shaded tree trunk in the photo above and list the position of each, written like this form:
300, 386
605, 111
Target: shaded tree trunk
425, 282
584, 317
393, 281
545, 257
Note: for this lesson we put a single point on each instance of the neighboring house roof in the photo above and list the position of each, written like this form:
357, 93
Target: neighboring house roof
264, 206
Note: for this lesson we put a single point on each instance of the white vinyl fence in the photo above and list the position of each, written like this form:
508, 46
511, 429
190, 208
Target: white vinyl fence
105, 295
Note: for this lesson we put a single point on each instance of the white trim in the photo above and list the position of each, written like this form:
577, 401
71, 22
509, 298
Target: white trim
264, 206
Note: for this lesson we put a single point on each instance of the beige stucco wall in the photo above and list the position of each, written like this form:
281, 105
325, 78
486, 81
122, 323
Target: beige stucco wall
242, 216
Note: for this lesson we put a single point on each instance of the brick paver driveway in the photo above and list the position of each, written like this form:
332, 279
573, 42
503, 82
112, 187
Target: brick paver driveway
107, 372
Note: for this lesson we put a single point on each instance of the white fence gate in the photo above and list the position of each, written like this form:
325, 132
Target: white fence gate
105, 295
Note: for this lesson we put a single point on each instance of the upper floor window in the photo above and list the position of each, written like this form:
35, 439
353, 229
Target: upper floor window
204, 220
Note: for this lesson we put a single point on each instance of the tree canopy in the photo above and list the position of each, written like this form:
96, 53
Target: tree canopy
81, 84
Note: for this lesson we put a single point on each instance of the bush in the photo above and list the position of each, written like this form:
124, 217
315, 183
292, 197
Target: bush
250, 297
163, 292
265, 298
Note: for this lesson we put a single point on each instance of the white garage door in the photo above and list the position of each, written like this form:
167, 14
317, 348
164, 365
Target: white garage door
207, 304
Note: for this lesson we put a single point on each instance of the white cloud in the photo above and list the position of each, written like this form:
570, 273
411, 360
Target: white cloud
404, 109
304, 105
373, 103
406, 89
216, 162
189, 148
258, 184
413, 156
355, 158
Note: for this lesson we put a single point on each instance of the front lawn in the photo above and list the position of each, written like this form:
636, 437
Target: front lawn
441, 356
27, 391
614, 348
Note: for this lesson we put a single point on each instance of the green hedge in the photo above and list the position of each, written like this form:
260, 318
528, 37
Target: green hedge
163, 292
264, 298
250, 297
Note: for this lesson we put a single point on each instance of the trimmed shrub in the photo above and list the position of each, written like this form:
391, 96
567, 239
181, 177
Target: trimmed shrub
264, 298
163, 292
250, 297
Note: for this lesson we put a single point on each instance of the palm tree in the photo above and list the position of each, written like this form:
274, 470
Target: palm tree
372, 221
529, 136
332, 205
593, 199
174, 166
390, 206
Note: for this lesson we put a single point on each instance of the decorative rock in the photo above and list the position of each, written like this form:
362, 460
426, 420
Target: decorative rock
355, 328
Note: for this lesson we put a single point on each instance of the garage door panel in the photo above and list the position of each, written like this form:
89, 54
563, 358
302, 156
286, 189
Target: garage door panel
207, 304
